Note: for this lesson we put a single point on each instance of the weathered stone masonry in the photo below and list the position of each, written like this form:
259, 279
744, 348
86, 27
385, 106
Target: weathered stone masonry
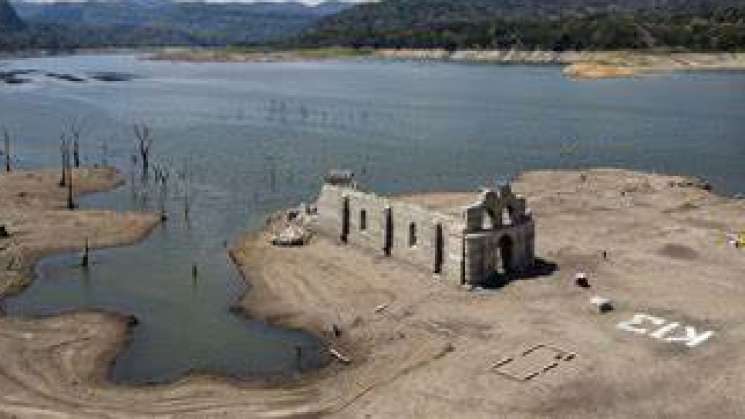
494, 235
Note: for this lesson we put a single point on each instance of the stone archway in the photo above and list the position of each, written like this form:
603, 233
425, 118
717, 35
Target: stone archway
506, 254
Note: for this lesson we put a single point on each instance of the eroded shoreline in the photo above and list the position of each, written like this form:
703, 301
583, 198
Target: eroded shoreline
428, 353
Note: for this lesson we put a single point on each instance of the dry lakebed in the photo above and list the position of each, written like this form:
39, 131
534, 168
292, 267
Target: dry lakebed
418, 346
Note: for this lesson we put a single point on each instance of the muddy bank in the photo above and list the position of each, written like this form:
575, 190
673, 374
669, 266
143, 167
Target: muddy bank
39, 224
430, 351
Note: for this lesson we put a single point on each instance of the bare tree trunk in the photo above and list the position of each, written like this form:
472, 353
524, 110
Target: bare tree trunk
76, 153
70, 201
144, 141
63, 155
75, 127
85, 260
6, 138
163, 177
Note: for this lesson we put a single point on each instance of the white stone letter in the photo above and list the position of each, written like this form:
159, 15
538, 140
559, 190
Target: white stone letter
637, 320
691, 339
662, 331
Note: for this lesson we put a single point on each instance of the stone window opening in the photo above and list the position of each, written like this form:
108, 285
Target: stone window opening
489, 220
507, 216
412, 235
345, 220
439, 249
388, 233
363, 219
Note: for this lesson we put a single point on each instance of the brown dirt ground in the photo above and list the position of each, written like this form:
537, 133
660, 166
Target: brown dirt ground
430, 352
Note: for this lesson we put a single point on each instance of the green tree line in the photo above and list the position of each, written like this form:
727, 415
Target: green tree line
530, 24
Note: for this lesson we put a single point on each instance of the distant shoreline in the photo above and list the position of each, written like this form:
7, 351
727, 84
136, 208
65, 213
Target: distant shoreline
43, 53
578, 64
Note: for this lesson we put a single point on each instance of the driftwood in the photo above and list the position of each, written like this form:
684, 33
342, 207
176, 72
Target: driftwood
338, 355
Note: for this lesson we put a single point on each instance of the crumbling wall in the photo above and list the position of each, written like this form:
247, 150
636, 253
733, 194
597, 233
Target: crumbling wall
483, 253
472, 247
405, 220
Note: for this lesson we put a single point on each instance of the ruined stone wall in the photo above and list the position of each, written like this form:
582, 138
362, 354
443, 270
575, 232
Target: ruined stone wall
372, 235
483, 252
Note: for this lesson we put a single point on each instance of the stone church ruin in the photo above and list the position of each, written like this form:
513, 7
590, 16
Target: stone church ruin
493, 236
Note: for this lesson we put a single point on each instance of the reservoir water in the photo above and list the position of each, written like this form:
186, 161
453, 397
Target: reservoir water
257, 137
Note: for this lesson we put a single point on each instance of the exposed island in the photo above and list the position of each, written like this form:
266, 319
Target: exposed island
420, 347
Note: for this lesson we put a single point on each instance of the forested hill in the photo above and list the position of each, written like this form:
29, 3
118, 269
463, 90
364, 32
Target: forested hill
544, 24
160, 22
9, 20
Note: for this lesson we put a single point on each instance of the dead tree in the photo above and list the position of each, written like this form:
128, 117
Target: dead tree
75, 128
85, 258
6, 141
66, 179
65, 155
76, 153
161, 181
143, 141
186, 177
70, 200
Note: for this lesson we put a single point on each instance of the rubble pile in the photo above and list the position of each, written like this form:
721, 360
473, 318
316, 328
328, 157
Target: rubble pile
292, 227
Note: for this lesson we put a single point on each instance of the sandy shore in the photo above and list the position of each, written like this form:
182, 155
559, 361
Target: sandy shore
429, 353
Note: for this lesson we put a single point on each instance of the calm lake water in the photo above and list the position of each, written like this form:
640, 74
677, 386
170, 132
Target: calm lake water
259, 137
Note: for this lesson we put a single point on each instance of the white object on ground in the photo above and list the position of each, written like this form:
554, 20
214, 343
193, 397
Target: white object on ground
601, 303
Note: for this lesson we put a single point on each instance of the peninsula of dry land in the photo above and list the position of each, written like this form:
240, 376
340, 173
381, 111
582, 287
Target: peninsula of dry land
421, 347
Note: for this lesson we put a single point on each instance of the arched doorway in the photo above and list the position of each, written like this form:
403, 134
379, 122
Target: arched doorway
506, 253
439, 248
345, 220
